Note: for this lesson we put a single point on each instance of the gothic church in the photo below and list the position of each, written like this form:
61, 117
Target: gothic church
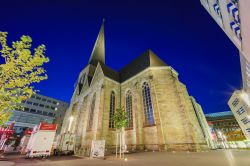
161, 115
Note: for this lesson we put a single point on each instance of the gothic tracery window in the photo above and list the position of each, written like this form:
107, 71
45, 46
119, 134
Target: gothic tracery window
147, 103
129, 109
112, 110
91, 113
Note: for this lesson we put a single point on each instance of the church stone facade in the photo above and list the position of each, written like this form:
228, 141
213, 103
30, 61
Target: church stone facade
160, 113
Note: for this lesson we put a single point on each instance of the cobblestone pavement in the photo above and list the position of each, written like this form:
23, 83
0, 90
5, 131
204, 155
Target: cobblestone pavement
212, 158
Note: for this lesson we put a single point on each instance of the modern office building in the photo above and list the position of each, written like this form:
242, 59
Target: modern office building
233, 18
38, 109
227, 130
240, 106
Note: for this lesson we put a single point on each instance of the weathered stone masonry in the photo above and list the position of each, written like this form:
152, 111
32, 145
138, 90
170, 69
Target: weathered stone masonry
176, 126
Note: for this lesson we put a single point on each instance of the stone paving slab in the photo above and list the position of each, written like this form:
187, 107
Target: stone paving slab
212, 158
7, 163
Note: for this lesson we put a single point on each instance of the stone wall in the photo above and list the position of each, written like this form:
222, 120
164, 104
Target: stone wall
176, 125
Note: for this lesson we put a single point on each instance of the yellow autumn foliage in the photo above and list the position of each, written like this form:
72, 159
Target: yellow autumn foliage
21, 68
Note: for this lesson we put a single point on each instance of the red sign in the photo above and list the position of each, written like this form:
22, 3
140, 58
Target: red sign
46, 126
5, 131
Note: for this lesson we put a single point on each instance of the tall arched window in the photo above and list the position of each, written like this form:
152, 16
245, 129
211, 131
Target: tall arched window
129, 109
112, 110
91, 113
147, 103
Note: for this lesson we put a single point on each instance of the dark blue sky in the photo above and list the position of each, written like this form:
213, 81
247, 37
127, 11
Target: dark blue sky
180, 32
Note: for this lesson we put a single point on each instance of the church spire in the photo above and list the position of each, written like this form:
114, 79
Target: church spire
98, 52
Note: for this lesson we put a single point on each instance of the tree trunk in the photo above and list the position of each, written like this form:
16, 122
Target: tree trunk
116, 146
120, 144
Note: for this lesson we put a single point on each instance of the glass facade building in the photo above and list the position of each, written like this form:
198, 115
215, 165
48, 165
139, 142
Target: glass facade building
38, 109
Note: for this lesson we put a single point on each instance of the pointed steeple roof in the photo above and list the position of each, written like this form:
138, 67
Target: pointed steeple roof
98, 52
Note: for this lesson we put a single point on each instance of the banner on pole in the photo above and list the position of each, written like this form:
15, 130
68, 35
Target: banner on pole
97, 148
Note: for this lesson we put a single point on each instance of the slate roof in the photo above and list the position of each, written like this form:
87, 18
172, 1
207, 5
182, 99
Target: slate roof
145, 60
110, 73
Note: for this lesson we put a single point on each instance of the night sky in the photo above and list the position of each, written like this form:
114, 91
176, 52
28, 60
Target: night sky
180, 32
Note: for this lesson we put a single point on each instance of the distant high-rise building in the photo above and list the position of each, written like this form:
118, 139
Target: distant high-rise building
38, 109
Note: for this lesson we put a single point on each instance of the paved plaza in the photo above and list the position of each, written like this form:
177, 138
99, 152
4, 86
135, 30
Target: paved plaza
212, 158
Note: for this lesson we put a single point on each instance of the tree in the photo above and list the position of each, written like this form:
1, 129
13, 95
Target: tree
18, 72
120, 122
120, 118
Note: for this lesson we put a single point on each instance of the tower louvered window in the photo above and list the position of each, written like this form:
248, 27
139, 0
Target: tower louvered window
112, 110
129, 109
147, 103
91, 113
